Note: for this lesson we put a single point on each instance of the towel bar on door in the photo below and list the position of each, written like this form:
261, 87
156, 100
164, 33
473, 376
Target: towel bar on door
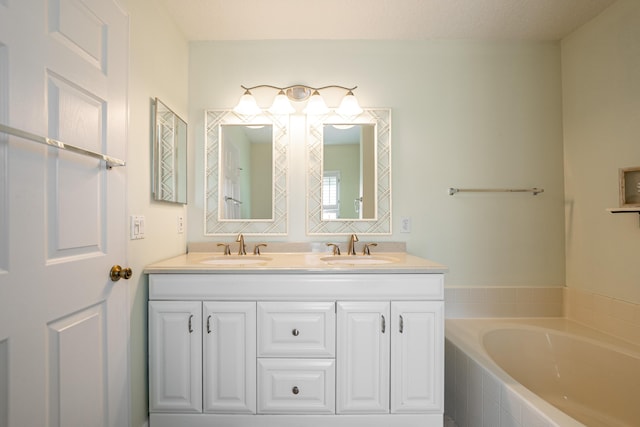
110, 161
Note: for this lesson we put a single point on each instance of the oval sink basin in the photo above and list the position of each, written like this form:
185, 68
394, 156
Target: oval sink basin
236, 260
358, 260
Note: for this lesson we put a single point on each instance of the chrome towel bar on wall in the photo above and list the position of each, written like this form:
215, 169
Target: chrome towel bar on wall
534, 190
109, 161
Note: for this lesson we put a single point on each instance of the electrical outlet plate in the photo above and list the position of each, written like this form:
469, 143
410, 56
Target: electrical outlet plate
405, 224
180, 224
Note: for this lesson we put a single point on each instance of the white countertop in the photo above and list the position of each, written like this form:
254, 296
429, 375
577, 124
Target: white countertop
296, 262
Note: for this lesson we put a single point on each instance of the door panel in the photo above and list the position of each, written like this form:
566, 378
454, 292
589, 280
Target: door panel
64, 325
77, 374
75, 184
78, 27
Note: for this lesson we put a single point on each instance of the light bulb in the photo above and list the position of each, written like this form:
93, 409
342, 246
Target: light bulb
349, 107
247, 106
316, 105
281, 104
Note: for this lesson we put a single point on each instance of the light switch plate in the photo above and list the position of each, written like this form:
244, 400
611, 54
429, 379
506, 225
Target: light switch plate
137, 227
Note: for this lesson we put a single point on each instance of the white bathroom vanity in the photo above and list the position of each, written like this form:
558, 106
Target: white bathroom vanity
296, 339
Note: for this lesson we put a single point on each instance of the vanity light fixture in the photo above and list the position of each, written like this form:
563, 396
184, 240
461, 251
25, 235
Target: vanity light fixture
316, 105
247, 106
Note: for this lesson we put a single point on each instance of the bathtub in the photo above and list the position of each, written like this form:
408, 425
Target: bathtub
539, 373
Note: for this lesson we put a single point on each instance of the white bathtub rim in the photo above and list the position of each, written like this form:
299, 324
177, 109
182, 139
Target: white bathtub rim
467, 334
626, 349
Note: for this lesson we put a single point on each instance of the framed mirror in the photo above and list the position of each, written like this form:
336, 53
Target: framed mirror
169, 182
349, 173
246, 160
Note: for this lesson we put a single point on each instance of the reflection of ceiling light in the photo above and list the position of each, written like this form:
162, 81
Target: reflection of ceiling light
248, 106
342, 127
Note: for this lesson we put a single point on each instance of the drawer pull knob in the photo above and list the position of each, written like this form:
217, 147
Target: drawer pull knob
295, 390
295, 332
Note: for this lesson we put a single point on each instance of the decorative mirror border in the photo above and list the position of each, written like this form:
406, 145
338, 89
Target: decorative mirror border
381, 118
213, 226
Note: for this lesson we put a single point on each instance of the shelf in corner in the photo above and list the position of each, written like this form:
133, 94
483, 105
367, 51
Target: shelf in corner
635, 209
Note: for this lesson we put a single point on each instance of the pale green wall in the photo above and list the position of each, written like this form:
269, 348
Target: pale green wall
601, 95
465, 114
158, 68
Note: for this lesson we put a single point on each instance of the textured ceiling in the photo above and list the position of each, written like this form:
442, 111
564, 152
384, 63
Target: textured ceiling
542, 20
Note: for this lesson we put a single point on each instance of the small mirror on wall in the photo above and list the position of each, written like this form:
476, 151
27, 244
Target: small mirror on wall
169, 155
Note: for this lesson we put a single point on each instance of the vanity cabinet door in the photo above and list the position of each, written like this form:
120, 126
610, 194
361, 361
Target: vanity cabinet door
417, 337
229, 337
175, 356
363, 333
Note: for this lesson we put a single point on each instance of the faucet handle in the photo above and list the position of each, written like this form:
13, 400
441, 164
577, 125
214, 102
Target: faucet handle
336, 248
366, 250
256, 248
227, 249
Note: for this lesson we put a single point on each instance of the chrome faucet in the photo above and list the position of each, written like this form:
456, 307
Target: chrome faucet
242, 249
352, 245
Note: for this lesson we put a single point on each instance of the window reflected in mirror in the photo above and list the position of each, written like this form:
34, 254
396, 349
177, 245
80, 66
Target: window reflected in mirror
246, 173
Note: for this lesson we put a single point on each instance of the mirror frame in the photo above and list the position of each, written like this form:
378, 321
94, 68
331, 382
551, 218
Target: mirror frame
275, 226
159, 174
381, 225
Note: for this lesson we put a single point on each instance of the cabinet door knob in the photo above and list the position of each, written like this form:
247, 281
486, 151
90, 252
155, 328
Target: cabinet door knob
295, 332
383, 324
209, 324
190, 327
295, 390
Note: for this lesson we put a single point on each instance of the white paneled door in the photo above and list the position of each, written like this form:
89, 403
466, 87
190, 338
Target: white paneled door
63, 322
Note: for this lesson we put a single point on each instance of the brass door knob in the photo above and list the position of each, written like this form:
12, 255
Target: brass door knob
116, 273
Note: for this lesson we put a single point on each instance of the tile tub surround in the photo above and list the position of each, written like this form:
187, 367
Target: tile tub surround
463, 302
614, 317
474, 397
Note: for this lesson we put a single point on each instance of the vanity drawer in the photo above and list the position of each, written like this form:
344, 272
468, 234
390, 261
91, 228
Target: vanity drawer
296, 329
292, 386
